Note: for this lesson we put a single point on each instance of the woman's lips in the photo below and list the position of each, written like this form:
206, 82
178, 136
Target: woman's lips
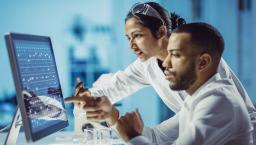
138, 53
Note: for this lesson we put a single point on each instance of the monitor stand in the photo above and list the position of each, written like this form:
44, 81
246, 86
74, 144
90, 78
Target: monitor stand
14, 129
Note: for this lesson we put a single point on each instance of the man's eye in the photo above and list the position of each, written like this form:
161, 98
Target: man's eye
175, 54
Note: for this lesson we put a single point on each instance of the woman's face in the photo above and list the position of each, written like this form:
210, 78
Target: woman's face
141, 40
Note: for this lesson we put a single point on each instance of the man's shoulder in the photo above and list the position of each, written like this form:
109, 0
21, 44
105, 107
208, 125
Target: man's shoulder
221, 92
220, 87
220, 95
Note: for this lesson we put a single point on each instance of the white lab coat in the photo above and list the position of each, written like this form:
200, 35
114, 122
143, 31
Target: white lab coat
214, 115
142, 74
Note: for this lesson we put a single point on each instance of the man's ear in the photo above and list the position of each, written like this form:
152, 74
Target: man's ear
205, 61
161, 32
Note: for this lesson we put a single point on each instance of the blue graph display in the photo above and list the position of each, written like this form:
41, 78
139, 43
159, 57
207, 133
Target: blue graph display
40, 84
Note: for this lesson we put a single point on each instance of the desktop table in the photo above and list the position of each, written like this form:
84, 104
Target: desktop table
62, 138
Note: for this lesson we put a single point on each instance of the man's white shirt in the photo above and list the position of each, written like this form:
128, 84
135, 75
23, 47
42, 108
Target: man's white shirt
214, 115
142, 74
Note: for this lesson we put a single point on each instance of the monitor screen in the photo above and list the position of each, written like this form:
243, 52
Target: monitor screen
37, 84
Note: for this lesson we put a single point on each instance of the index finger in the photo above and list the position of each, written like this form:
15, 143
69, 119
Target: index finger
74, 99
138, 113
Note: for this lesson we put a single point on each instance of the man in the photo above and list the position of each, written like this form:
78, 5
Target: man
213, 113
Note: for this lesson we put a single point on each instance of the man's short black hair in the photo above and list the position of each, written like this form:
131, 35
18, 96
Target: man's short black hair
204, 37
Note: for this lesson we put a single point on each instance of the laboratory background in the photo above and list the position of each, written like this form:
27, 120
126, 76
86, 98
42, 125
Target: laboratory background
88, 39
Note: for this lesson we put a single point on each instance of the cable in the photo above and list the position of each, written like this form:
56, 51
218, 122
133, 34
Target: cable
18, 122
5, 128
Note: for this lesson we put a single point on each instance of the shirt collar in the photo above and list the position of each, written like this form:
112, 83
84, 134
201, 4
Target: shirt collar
202, 88
211, 79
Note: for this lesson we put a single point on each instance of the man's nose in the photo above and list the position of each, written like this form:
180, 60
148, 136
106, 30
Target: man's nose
167, 62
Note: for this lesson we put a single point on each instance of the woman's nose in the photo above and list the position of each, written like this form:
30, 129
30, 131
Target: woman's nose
132, 45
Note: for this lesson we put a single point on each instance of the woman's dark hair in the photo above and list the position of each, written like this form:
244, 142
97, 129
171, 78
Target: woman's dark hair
172, 21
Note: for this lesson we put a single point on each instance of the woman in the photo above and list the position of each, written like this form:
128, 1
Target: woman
148, 27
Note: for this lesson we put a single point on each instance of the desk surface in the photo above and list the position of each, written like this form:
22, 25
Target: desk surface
62, 138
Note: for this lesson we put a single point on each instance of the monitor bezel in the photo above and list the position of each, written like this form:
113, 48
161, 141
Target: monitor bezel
30, 136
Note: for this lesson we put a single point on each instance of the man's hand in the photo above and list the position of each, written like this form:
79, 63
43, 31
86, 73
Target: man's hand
97, 108
101, 109
130, 125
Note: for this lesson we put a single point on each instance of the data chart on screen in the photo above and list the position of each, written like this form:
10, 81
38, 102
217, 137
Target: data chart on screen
40, 83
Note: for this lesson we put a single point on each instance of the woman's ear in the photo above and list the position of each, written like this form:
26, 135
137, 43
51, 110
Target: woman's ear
161, 32
205, 61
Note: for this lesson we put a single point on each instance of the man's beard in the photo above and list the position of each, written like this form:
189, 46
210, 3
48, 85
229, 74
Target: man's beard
184, 80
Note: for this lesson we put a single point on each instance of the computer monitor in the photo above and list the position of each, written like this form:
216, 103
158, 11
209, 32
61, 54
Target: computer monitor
37, 84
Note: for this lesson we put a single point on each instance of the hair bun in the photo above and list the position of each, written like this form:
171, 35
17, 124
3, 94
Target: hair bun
176, 21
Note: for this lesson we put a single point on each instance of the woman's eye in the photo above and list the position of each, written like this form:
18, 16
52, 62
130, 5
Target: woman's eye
128, 38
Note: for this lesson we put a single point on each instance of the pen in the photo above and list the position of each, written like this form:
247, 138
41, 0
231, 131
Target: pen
79, 86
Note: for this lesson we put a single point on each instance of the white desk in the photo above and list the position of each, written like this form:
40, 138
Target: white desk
60, 138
